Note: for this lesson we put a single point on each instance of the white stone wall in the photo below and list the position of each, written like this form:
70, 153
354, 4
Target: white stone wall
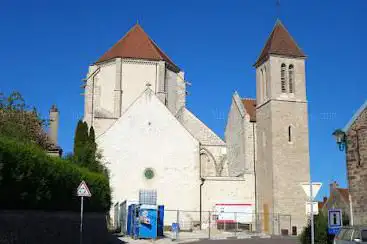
213, 151
147, 136
226, 190
235, 137
118, 82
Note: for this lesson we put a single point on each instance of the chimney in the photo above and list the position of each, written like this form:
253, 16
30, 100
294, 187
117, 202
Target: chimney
54, 124
333, 186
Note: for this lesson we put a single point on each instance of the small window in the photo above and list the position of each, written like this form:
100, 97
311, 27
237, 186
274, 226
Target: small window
291, 78
262, 84
266, 85
282, 78
289, 133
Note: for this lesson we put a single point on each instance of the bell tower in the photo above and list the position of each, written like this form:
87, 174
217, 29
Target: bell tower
282, 133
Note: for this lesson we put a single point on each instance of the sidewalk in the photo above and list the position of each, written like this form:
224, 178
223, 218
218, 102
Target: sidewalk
185, 237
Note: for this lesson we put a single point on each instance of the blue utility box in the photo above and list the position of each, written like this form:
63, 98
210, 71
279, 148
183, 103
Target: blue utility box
145, 221
148, 221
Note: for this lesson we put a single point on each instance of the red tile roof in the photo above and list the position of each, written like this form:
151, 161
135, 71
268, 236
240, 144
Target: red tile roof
137, 44
344, 193
280, 42
250, 107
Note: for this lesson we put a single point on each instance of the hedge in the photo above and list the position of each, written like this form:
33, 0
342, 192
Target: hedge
30, 179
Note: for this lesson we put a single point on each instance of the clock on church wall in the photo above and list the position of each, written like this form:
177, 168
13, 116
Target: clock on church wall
149, 173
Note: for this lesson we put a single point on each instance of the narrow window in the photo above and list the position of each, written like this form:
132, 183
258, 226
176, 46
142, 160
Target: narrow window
266, 85
291, 78
289, 133
262, 95
282, 78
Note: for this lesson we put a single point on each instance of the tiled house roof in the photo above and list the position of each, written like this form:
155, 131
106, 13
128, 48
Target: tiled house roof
250, 107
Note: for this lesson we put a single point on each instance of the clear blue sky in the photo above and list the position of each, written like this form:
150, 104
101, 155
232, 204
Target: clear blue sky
46, 47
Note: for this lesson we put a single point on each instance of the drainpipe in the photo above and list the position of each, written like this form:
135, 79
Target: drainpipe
254, 160
351, 210
201, 186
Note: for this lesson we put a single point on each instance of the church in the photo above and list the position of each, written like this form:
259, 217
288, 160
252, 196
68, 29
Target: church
135, 98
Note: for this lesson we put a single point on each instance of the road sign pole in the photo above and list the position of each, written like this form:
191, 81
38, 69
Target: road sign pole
81, 220
312, 224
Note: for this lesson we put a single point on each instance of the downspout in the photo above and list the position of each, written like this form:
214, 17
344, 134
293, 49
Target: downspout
254, 159
201, 186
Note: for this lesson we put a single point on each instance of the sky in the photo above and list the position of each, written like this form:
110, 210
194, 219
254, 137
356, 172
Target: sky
47, 46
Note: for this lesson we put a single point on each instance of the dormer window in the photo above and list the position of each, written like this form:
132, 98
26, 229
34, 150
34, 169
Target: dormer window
282, 78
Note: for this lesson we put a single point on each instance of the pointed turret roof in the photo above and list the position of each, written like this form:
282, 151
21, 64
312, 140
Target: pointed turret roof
137, 44
280, 42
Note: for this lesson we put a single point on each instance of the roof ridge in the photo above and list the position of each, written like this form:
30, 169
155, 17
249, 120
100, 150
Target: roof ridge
281, 23
116, 43
151, 43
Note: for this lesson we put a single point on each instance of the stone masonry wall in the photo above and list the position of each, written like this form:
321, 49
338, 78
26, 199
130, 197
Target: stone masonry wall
357, 172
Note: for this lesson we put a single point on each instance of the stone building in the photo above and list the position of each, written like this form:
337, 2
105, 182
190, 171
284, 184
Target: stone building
135, 98
338, 199
271, 133
355, 140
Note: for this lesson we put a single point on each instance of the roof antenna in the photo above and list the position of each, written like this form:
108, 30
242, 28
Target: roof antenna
278, 8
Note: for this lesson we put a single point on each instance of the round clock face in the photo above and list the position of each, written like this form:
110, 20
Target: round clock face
149, 173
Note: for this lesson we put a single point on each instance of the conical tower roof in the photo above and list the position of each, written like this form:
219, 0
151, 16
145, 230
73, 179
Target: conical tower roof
280, 42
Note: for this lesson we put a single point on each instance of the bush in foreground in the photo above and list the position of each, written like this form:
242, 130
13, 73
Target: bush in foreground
320, 231
30, 179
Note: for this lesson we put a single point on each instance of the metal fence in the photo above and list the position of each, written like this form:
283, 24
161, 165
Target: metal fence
214, 225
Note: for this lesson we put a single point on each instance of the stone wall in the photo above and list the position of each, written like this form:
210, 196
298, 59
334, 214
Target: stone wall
52, 227
357, 171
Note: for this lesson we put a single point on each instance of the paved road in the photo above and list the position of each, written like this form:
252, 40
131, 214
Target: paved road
251, 241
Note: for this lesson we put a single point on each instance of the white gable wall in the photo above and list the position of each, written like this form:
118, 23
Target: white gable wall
146, 136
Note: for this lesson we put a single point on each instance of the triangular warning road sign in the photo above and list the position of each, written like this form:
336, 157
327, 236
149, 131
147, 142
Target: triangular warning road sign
83, 190
315, 188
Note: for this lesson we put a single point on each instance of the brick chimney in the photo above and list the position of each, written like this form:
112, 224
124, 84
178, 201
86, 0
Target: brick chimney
333, 186
54, 124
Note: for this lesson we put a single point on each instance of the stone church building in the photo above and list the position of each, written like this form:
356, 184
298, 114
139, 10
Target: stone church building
135, 98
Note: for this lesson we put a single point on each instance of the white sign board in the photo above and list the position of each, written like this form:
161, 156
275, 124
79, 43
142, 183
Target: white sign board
315, 208
335, 218
315, 188
83, 190
234, 213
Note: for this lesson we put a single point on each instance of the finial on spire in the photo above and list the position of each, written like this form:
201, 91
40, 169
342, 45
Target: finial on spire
278, 8
137, 21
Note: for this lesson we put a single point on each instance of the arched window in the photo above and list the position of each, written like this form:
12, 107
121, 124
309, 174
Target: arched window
282, 78
266, 85
291, 78
262, 84
290, 133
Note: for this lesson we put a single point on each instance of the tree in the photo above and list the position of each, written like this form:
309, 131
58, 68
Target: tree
20, 122
85, 149
321, 234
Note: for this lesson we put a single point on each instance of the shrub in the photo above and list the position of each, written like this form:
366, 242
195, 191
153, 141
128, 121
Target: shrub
320, 231
30, 179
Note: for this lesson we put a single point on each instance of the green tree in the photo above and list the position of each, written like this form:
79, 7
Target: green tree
320, 228
85, 149
20, 122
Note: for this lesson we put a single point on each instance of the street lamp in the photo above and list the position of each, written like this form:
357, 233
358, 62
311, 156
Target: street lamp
340, 138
